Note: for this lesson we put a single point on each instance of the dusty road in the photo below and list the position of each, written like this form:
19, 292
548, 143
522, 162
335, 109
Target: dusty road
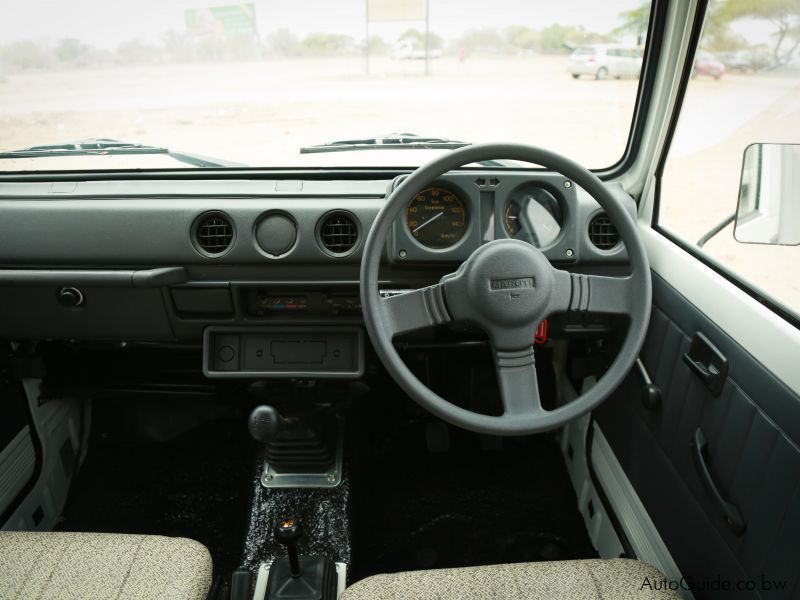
261, 113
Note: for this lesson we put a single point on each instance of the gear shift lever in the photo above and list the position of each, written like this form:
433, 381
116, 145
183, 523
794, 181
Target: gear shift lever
295, 445
316, 580
288, 533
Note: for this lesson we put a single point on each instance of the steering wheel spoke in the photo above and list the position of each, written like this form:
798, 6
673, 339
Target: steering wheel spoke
519, 386
582, 293
415, 309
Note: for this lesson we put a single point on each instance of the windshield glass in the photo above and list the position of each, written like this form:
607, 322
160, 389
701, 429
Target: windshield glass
256, 82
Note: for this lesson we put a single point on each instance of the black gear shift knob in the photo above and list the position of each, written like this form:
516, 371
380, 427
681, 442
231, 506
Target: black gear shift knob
288, 532
265, 422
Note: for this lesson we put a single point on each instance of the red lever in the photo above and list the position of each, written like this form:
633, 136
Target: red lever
540, 337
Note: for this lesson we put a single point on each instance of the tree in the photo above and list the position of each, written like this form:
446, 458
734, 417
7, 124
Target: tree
557, 38
417, 39
377, 46
178, 46
282, 42
783, 14
486, 39
635, 22
71, 50
25, 54
523, 38
137, 51
327, 44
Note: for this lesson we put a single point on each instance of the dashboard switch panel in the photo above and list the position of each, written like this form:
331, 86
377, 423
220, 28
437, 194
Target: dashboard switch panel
309, 352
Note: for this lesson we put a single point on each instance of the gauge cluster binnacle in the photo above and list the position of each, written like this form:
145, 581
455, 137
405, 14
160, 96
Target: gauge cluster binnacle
437, 218
461, 210
533, 214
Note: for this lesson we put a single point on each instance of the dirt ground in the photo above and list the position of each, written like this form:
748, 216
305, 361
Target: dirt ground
261, 113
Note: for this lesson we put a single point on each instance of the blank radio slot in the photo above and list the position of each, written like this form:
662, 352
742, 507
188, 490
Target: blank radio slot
283, 352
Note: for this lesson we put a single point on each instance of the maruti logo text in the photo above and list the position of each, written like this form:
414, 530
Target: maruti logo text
511, 284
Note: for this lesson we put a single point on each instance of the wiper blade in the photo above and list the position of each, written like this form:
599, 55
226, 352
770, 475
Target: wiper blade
104, 146
394, 141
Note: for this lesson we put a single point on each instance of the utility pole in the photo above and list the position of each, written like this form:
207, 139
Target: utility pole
427, 37
366, 37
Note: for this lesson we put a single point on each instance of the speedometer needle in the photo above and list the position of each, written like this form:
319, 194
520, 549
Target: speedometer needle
428, 222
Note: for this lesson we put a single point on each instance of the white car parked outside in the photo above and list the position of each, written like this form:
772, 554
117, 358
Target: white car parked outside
605, 60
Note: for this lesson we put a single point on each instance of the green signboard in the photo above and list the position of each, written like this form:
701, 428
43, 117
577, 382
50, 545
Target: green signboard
233, 19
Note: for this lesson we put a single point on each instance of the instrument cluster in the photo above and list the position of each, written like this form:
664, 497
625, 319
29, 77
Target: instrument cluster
454, 215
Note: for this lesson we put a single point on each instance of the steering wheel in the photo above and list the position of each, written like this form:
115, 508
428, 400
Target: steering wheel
507, 287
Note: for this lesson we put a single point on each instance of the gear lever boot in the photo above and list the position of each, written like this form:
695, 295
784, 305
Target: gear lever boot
296, 577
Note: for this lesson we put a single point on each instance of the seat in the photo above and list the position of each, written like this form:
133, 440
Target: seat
617, 579
45, 565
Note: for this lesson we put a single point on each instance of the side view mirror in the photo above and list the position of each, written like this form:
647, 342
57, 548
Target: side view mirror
769, 195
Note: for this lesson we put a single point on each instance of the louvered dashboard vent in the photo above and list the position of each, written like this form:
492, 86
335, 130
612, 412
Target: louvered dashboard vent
213, 234
602, 232
338, 233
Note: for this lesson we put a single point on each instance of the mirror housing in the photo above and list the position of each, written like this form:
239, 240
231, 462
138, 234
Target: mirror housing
769, 195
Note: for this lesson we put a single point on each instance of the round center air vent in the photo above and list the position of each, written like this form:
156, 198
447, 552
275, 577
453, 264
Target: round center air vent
338, 233
602, 232
213, 233
276, 233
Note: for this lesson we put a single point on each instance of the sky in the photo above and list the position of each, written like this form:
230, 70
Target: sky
105, 23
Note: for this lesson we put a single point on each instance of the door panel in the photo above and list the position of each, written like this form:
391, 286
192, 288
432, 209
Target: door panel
750, 431
17, 448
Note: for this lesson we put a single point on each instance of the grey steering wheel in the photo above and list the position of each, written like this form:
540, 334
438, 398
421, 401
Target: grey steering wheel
506, 287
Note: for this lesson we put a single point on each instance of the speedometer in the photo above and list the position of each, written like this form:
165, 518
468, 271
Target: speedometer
437, 218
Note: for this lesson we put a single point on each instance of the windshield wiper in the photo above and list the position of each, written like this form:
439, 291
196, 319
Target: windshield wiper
103, 146
393, 141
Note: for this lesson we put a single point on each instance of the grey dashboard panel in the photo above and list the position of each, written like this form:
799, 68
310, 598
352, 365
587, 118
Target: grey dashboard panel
127, 245
157, 231
150, 223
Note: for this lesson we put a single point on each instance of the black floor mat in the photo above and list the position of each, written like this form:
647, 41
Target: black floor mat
482, 502
195, 485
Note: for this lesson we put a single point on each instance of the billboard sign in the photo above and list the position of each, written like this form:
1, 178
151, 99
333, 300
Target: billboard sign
233, 19
395, 10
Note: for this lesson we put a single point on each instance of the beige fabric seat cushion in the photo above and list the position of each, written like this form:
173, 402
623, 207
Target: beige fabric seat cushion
59, 565
618, 579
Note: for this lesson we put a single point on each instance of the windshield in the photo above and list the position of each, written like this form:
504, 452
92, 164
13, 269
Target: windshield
254, 83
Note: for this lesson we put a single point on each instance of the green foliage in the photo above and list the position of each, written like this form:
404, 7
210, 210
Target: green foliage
25, 55
777, 11
487, 40
554, 39
558, 38
635, 22
784, 15
326, 44
137, 52
377, 46
417, 38
281, 42
522, 38
178, 47
71, 50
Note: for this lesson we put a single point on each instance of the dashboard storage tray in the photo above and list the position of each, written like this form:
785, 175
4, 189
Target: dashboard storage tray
283, 352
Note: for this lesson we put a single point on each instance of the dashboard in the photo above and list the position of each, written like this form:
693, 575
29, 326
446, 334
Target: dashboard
170, 260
